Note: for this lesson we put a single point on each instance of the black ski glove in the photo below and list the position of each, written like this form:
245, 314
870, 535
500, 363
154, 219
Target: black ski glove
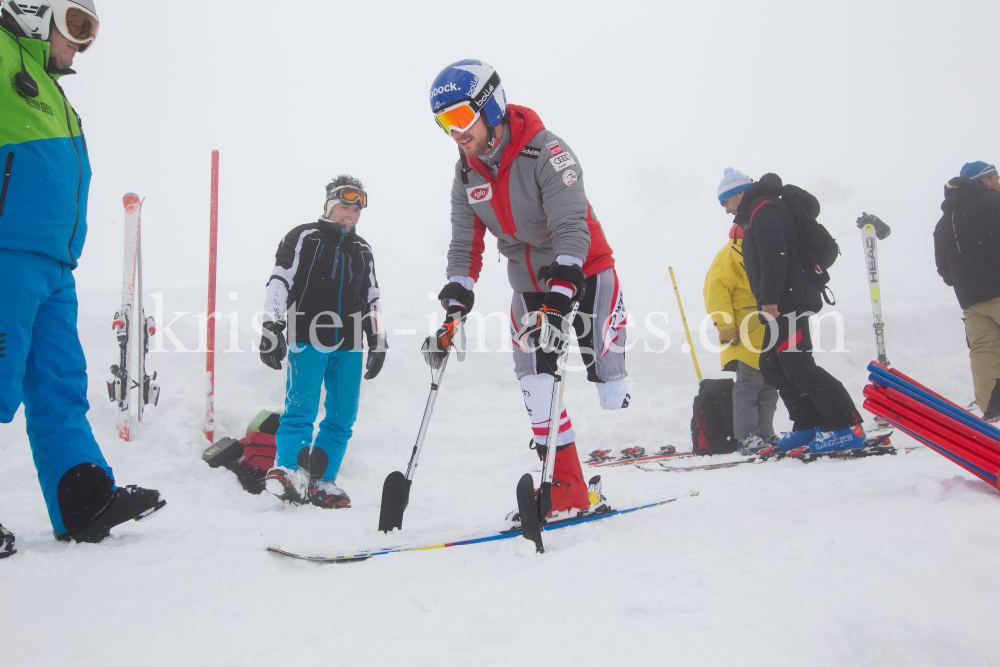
377, 348
272, 344
881, 229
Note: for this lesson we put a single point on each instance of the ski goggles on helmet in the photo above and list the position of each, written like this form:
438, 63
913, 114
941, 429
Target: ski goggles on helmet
459, 117
346, 194
75, 23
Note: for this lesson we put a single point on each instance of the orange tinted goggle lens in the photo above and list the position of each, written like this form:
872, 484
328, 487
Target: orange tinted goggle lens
81, 25
458, 118
347, 196
354, 196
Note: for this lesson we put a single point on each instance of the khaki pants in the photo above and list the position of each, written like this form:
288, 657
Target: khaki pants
982, 328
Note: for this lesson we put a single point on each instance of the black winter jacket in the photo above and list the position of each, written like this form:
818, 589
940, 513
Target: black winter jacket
327, 269
771, 250
967, 241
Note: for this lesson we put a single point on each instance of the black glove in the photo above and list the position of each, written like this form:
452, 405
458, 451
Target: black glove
570, 273
450, 334
881, 229
272, 344
548, 327
377, 348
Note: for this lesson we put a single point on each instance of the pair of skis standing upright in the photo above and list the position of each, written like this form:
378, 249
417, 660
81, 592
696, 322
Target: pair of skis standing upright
121, 384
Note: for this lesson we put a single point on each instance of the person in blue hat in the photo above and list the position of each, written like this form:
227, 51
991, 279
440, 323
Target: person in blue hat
967, 253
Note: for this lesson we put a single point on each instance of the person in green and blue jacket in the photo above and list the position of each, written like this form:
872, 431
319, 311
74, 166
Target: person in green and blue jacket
43, 224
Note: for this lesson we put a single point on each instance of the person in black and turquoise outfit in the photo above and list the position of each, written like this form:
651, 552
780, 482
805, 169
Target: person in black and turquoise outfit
323, 289
43, 224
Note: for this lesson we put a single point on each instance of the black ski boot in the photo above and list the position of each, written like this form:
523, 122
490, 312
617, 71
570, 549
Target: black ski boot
6, 543
125, 504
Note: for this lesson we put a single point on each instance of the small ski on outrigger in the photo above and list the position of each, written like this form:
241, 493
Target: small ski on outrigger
350, 557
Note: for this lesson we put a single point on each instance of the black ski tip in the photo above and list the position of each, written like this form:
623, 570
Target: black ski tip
395, 498
222, 452
527, 507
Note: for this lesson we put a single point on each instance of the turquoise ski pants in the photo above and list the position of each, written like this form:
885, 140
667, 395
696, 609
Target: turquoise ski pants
339, 371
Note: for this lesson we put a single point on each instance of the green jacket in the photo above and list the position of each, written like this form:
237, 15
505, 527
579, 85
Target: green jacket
43, 155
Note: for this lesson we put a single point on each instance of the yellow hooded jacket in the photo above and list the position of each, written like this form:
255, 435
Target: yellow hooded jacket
729, 301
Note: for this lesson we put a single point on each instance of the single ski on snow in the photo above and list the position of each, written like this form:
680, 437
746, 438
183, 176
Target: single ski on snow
121, 384
879, 446
603, 458
355, 556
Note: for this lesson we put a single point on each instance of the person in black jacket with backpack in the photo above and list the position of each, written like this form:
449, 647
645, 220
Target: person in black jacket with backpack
967, 252
323, 289
780, 271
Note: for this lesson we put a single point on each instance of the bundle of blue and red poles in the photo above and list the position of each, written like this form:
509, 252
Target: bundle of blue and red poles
943, 426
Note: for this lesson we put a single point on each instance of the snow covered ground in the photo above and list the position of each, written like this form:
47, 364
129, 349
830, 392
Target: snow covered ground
885, 561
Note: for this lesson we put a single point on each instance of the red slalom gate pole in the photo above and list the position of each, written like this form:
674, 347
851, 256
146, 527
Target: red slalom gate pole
210, 313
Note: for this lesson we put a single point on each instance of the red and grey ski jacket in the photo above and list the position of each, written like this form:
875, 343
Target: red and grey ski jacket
536, 207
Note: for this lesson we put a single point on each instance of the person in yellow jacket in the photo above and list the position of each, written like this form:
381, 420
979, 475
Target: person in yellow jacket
733, 309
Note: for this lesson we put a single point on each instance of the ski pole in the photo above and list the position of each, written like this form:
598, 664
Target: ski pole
396, 488
534, 511
869, 238
687, 332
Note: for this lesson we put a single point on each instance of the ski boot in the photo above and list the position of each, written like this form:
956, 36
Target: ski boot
289, 485
6, 543
598, 456
992, 411
123, 504
329, 495
632, 453
852, 437
751, 445
570, 496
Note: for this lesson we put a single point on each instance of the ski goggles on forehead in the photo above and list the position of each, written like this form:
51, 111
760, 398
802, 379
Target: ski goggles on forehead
77, 25
459, 117
347, 195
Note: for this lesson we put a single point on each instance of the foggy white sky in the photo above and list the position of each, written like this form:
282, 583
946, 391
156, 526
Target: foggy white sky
875, 104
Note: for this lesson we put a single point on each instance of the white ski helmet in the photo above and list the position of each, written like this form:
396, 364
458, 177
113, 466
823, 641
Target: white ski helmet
76, 20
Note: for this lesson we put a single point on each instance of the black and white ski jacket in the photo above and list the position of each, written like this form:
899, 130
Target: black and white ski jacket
323, 286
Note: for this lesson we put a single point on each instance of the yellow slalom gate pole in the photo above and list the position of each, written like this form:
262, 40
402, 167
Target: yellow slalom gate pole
687, 332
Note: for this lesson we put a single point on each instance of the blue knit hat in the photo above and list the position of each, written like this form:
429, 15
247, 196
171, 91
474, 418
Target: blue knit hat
733, 182
977, 170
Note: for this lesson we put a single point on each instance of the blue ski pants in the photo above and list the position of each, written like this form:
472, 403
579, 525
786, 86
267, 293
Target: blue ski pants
308, 369
42, 365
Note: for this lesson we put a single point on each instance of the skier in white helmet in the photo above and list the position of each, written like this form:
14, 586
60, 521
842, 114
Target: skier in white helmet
523, 183
43, 223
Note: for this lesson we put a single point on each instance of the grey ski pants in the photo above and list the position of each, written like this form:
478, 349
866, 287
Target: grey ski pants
754, 403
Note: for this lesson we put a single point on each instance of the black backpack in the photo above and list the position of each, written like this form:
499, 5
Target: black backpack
712, 422
817, 248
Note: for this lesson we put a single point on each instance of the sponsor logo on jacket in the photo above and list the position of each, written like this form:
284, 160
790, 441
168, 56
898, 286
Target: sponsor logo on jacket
480, 193
561, 161
554, 147
530, 151
40, 106
570, 177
